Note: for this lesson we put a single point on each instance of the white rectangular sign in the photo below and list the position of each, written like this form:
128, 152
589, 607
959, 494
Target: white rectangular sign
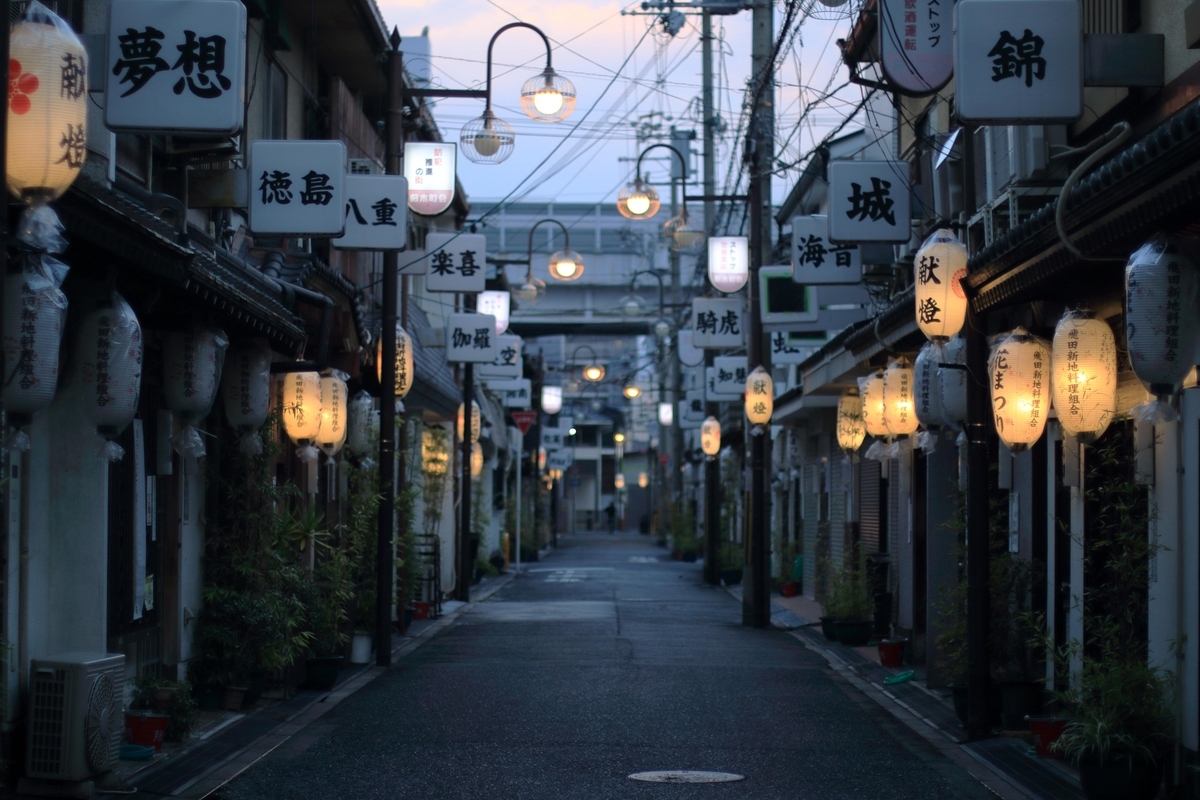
508, 359
457, 262
689, 355
815, 259
691, 409
298, 187
470, 338
731, 374
718, 323
376, 214
784, 351
559, 459
869, 201
430, 170
513, 393
712, 393
553, 438
198, 46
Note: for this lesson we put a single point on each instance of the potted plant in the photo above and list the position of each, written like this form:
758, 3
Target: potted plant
161, 710
851, 606
789, 584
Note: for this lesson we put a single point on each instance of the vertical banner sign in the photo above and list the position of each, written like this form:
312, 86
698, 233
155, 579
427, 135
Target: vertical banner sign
430, 170
784, 351
457, 262
717, 324
471, 337
869, 201
298, 187
728, 262
817, 260
508, 359
1018, 61
916, 44
198, 46
376, 216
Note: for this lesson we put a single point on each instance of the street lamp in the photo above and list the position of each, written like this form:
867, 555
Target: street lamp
632, 305
632, 391
618, 437
592, 371
682, 234
639, 200
643, 480
565, 265
619, 481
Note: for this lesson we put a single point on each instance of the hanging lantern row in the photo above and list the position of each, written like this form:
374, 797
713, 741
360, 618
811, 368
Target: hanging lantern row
939, 267
246, 392
404, 363
851, 429
332, 433
192, 362
110, 360
1085, 375
362, 435
476, 422
34, 312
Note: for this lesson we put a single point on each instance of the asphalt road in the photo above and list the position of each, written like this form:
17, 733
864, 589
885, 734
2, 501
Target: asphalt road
601, 661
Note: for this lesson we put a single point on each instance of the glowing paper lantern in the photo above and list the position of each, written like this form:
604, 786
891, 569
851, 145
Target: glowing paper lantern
1019, 380
643, 480
34, 312
870, 390
710, 437
927, 392
476, 422
728, 262
498, 304
435, 458
246, 392
899, 410
476, 459
619, 481
192, 362
760, 397
363, 426
1085, 375
952, 380
938, 270
332, 433
300, 403
404, 362
551, 399
110, 369
851, 429
666, 414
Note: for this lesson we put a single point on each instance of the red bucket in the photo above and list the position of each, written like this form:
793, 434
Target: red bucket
420, 610
891, 653
146, 729
789, 589
1046, 731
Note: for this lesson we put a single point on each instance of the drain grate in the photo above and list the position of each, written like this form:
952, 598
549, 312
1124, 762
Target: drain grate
686, 776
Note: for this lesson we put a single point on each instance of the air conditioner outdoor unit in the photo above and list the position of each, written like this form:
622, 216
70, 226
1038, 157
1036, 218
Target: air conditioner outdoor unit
75, 716
365, 166
1018, 154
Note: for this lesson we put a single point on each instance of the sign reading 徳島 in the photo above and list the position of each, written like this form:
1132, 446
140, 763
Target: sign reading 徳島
717, 324
1018, 61
916, 43
508, 359
176, 66
457, 262
471, 337
815, 259
869, 201
376, 216
298, 187
430, 170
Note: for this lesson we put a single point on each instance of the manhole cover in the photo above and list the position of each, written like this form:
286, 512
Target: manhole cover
686, 776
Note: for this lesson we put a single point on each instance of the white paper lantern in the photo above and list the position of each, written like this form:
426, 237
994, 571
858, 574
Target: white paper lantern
34, 312
1084, 380
927, 391
939, 268
1019, 380
870, 390
552, 399
760, 397
498, 304
246, 391
666, 414
110, 368
643, 480
710, 436
47, 105
618, 481
300, 407
476, 422
476, 459
952, 379
364, 424
899, 409
404, 362
331, 434
851, 429
192, 362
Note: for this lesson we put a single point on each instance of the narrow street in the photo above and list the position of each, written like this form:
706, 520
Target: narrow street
602, 660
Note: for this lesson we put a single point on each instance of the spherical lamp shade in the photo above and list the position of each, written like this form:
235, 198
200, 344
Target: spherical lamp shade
899, 411
728, 262
498, 304
666, 414
710, 436
760, 396
683, 234
332, 433
476, 459
301, 406
638, 200
927, 392
619, 437
487, 139
938, 270
619, 481
632, 305
1085, 375
1161, 322
1019, 380
870, 389
34, 313
952, 381
851, 430
566, 265
549, 97
476, 422
404, 362
593, 372
552, 399
47, 105
631, 391
643, 480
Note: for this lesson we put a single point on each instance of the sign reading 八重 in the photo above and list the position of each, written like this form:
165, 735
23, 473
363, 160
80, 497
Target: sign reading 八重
869, 201
470, 338
457, 262
376, 217
430, 170
816, 260
298, 187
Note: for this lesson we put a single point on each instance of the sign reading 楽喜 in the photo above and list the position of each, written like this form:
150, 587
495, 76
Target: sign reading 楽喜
457, 262
298, 187
430, 170
376, 216
508, 359
470, 338
198, 46
817, 260
1018, 61
869, 201
717, 323
513, 393
916, 44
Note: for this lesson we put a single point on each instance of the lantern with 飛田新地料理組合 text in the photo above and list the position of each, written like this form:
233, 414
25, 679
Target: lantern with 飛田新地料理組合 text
851, 430
1019, 369
246, 391
110, 368
1084, 383
300, 407
332, 433
192, 363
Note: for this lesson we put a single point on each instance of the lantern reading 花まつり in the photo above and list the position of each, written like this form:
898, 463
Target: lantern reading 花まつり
1084, 380
899, 412
300, 404
476, 459
952, 382
938, 270
1019, 379
476, 422
551, 399
192, 362
404, 362
710, 437
110, 368
246, 392
331, 435
851, 430
760, 397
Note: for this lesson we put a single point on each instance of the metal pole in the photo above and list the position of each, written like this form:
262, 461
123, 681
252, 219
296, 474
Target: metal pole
520, 458
712, 469
466, 565
674, 371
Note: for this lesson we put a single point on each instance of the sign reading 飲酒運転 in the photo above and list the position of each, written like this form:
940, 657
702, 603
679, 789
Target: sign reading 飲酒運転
298, 187
470, 338
916, 44
376, 216
176, 66
457, 262
728, 262
430, 170
513, 393
817, 260
508, 359
1018, 61
717, 323
869, 201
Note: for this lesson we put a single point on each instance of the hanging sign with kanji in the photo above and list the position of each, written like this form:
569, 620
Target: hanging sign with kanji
689, 355
869, 201
784, 351
175, 66
508, 359
298, 187
691, 410
524, 420
559, 459
376, 215
513, 393
429, 168
730, 374
553, 438
817, 260
1018, 61
916, 43
718, 324
728, 262
457, 262
470, 338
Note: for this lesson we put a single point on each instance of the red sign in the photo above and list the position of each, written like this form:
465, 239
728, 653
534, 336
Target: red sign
524, 420
664, 459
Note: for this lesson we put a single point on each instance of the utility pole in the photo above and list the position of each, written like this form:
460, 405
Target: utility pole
712, 467
756, 599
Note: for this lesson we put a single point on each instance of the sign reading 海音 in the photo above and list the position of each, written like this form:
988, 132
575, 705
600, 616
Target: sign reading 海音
869, 201
376, 216
916, 44
728, 262
1018, 61
513, 393
298, 187
470, 337
457, 262
553, 438
717, 323
176, 66
430, 170
815, 259
508, 359
784, 351
716, 391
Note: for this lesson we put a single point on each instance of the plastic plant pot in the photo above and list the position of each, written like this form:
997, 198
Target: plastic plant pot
147, 729
891, 652
1046, 731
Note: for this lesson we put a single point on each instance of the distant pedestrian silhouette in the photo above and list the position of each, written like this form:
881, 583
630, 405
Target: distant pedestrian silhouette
610, 514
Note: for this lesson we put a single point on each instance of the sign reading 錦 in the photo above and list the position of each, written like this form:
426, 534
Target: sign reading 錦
553, 438
298, 187
784, 351
869, 201
376, 216
457, 262
815, 259
508, 359
1018, 61
470, 337
430, 169
176, 66
717, 324
916, 44
513, 393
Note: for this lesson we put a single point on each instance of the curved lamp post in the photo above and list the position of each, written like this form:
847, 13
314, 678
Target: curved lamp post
593, 371
639, 200
564, 265
632, 304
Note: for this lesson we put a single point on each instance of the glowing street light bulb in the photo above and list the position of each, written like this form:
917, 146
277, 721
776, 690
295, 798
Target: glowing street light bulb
593, 372
618, 437
639, 204
631, 391
548, 101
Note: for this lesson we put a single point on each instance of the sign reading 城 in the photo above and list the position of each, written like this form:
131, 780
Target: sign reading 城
916, 43
508, 359
457, 262
869, 201
717, 324
471, 337
376, 216
430, 170
298, 187
815, 259
176, 66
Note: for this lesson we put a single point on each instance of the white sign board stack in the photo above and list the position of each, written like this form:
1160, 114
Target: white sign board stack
508, 359
471, 338
457, 262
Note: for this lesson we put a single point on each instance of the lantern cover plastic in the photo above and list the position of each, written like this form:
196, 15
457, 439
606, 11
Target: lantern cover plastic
364, 424
1085, 375
939, 268
1019, 367
476, 459
34, 312
728, 262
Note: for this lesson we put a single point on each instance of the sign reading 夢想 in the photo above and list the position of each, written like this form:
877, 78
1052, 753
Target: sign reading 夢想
508, 359
513, 393
376, 216
198, 46
717, 323
298, 187
430, 170
457, 262
815, 259
915, 43
1018, 61
869, 201
470, 337
728, 262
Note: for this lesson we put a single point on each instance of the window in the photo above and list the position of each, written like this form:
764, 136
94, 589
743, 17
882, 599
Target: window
274, 102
